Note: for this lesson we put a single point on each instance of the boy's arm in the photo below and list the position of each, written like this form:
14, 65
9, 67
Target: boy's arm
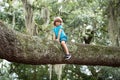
58, 38
54, 36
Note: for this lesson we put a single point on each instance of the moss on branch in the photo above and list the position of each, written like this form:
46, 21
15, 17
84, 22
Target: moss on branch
21, 48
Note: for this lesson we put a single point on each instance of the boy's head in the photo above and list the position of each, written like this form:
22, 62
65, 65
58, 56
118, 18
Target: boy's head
57, 21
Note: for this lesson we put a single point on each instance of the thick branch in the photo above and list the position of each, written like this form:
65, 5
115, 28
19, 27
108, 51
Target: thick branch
21, 48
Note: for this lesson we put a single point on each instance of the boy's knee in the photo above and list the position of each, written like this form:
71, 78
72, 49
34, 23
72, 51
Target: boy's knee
62, 42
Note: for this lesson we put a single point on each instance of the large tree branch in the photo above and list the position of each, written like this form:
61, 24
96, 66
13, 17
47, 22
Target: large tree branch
21, 48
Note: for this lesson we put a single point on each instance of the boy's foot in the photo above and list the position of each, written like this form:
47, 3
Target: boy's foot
67, 56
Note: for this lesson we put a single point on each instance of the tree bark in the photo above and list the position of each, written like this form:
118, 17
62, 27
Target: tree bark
21, 48
29, 22
113, 20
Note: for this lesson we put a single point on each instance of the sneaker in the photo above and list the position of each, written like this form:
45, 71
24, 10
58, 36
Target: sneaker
67, 56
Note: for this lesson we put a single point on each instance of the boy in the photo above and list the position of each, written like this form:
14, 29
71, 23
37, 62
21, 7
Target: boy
60, 36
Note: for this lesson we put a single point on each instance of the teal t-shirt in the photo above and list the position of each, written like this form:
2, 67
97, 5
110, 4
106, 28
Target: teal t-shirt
63, 36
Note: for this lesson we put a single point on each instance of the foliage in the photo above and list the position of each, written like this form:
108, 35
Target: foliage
77, 16
29, 72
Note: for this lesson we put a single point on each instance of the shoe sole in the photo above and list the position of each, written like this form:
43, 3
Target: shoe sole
68, 58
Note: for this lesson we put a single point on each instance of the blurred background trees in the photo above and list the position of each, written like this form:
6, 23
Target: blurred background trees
95, 22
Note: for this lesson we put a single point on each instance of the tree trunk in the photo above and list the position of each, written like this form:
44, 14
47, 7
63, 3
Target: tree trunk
113, 27
29, 22
21, 48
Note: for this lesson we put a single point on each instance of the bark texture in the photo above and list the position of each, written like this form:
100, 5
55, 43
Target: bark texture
114, 20
21, 48
29, 22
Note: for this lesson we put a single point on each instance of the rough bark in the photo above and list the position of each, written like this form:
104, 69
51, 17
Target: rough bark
113, 20
21, 48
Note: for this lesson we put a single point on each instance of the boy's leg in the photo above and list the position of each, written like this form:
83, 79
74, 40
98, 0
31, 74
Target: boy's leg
67, 55
64, 47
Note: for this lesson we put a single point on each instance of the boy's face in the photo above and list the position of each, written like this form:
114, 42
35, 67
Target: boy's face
57, 23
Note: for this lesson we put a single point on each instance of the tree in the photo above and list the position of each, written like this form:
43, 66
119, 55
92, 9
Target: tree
29, 22
21, 48
75, 14
113, 20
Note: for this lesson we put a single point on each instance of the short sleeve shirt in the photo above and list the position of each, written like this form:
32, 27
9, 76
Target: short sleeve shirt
56, 31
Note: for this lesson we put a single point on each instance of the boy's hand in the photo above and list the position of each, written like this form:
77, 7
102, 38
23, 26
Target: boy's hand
58, 40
